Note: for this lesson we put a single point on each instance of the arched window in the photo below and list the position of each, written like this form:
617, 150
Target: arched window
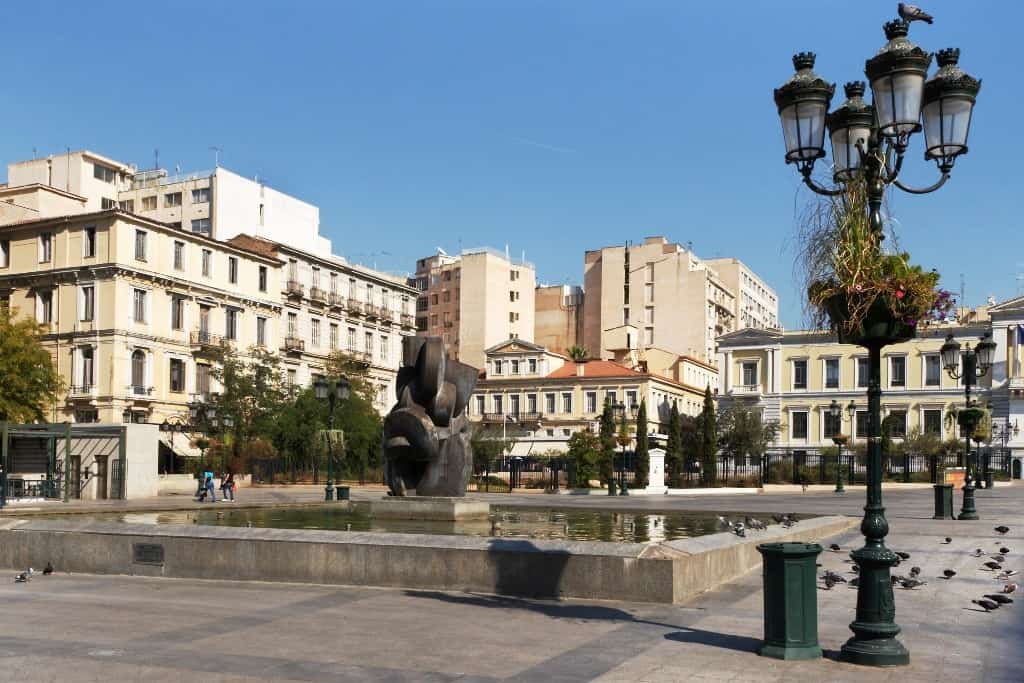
138, 370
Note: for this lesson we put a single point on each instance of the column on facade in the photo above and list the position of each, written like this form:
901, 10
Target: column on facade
1015, 363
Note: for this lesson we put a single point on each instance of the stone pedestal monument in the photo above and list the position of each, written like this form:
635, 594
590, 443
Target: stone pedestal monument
656, 472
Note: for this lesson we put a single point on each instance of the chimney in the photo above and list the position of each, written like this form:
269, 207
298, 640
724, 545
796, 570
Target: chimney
579, 368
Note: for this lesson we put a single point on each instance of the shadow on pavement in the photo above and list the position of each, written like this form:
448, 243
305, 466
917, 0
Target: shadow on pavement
726, 641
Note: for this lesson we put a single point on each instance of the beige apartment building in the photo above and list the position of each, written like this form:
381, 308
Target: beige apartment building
757, 303
330, 306
540, 399
558, 318
676, 300
132, 307
792, 378
474, 300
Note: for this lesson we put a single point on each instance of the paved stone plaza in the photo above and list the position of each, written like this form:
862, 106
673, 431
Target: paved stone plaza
103, 628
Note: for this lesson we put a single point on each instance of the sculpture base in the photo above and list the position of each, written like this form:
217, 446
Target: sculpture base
428, 507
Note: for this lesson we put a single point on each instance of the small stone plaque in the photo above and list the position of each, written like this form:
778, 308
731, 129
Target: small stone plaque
148, 553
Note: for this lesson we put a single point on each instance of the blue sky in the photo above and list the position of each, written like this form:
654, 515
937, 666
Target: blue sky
553, 127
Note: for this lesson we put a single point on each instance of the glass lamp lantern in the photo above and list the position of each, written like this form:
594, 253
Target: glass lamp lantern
949, 98
950, 354
320, 388
985, 351
897, 76
849, 126
834, 409
851, 409
803, 104
342, 388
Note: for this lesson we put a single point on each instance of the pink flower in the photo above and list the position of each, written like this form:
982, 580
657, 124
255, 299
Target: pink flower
899, 293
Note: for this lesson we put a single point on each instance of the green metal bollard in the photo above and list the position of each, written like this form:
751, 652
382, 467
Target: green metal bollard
790, 600
943, 501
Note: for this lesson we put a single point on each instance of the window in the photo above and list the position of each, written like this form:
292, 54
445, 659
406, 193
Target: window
631, 399
549, 404
88, 375
433, 299
898, 371
179, 255
139, 305
261, 331
88, 303
368, 343
566, 432
204, 320
127, 205
88, 243
232, 270
650, 272
202, 379
5, 253
352, 338
531, 403
513, 275
87, 416
263, 278
314, 330
513, 407
177, 312
932, 371
610, 397
515, 366
649, 293
897, 421
933, 422
513, 316
800, 374
201, 225
231, 323
201, 196
107, 203
567, 403
44, 307
496, 403
316, 278
177, 375
207, 258
292, 377
862, 426
591, 401
140, 245
333, 337
831, 373
446, 296
532, 366
104, 173
749, 373
497, 367
149, 203
648, 336
862, 373
649, 315
798, 425
830, 424
139, 371
383, 347
45, 247
479, 405
172, 199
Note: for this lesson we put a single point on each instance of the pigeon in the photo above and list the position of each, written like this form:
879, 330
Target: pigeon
21, 578
903, 555
915, 572
987, 605
911, 584
835, 548
1002, 530
1004, 551
1007, 574
948, 540
723, 523
854, 569
978, 552
1000, 598
911, 13
829, 583
48, 569
998, 558
948, 573
896, 578
832, 576
993, 566
755, 523
1010, 588
739, 529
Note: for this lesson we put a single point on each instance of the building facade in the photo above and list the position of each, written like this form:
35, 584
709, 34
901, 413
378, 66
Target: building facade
792, 378
329, 306
757, 304
558, 318
540, 399
676, 300
474, 301
1007, 322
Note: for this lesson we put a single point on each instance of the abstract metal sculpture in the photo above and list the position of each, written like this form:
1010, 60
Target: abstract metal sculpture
426, 443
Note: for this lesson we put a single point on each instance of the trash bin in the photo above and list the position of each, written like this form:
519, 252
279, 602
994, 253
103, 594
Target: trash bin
943, 501
790, 600
343, 492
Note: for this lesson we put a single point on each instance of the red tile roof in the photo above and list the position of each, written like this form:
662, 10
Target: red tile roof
595, 368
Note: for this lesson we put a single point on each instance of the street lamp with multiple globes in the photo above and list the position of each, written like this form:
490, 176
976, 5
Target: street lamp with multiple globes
836, 411
869, 142
332, 392
976, 363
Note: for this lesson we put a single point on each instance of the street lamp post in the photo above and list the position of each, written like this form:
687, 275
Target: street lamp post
976, 363
333, 392
869, 142
1003, 432
836, 411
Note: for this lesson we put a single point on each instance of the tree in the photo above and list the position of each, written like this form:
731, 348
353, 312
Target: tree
296, 429
607, 436
488, 446
673, 449
30, 381
356, 371
578, 353
642, 459
708, 449
584, 452
742, 433
689, 432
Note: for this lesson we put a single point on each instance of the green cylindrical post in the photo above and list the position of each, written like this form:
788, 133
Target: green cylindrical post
943, 501
790, 600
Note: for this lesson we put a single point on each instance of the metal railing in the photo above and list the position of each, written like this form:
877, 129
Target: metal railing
294, 288
205, 338
317, 294
82, 390
294, 344
140, 390
408, 320
354, 305
336, 300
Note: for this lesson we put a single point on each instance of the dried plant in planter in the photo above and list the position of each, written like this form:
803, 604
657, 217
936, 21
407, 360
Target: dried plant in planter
854, 286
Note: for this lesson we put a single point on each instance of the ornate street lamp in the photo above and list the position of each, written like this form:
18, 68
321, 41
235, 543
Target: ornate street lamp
332, 392
976, 363
836, 412
897, 79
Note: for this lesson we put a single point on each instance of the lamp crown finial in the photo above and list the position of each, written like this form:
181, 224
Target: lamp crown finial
897, 28
803, 60
948, 56
854, 89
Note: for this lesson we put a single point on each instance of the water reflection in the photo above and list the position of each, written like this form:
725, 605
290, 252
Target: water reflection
561, 524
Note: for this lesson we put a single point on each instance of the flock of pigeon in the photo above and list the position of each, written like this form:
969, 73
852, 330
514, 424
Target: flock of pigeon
27, 575
912, 580
740, 526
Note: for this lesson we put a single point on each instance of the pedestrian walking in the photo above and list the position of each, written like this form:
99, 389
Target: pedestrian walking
227, 486
200, 487
208, 475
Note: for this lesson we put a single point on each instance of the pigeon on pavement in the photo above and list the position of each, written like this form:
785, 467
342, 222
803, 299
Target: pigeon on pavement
911, 584
993, 566
1002, 529
948, 540
1010, 588
835, 548
1004, 551
948, 573
1000, 598
987, 605
48, 569
911, 13
903, 555
978, 552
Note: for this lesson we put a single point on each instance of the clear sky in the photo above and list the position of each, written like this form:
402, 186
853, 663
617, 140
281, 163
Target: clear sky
553, 127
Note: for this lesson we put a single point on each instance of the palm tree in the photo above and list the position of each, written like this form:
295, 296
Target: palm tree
578, 353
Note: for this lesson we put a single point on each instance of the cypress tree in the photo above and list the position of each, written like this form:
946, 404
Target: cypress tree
673, 450
708, 441
607, 436
642, 459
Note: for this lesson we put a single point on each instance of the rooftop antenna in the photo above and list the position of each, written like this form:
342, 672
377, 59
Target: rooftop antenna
963, 290
156, 159
216, 155
34, 151
1019, 277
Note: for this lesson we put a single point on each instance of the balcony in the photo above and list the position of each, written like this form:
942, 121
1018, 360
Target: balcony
140, 392
82, 391
336, 300
513, 418
294, 345
372, 311
294, 288
354, 305
751, 390
317, 294
203, 339
408, 320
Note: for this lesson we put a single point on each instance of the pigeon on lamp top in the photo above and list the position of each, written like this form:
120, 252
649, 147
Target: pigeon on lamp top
1000, 598
911, 13
948, 573
48, 569
1009, 588
993, 566
911, 584
986, 605
903, 555
1002, 529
